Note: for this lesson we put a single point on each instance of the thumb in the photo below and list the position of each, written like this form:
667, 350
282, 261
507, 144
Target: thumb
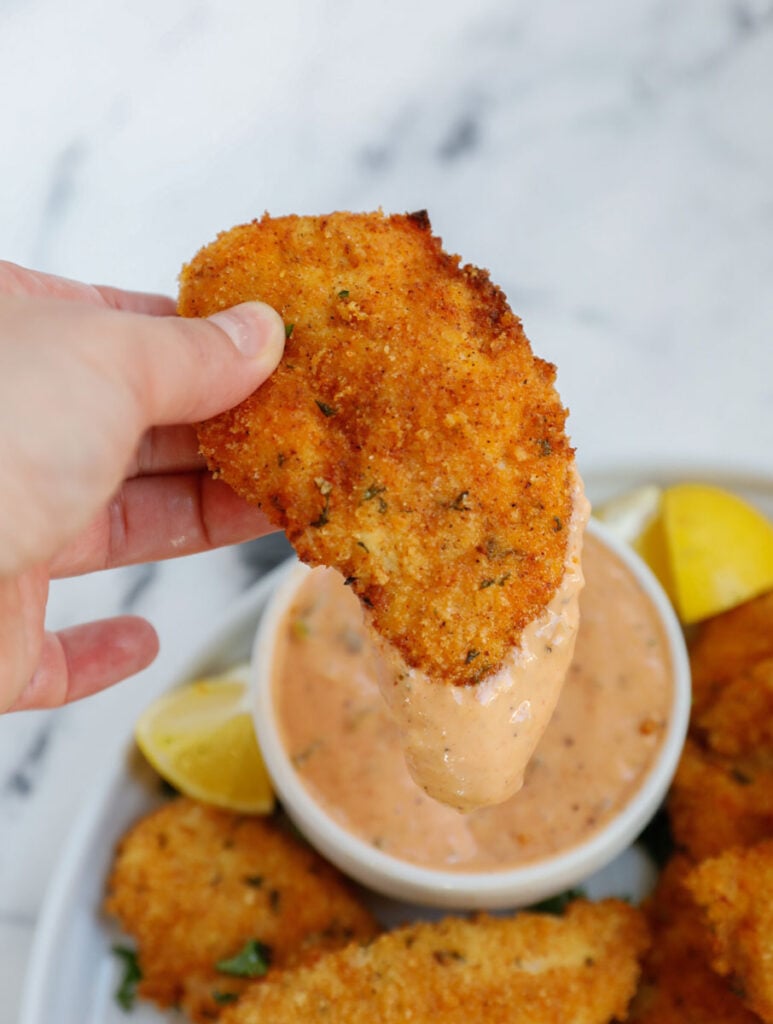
184, 370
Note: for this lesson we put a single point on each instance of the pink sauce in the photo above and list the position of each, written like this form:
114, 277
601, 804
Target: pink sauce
610, 720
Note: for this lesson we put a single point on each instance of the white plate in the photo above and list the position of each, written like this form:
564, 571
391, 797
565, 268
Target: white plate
72, 973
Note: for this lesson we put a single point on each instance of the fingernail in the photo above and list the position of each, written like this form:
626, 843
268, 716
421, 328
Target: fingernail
255, 329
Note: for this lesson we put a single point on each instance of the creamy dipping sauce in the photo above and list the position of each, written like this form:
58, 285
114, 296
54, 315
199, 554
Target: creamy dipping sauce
608, 725
468, 746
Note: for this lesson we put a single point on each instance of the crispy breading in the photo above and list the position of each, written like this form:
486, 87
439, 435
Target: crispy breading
409, 437
533, 968
739, 720
193, 885
678, 985
735, 892
716, 802
728, 645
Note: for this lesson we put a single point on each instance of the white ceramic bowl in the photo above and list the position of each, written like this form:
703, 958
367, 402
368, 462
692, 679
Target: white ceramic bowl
511, 887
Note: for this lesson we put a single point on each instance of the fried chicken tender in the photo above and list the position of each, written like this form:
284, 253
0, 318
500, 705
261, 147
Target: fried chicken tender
409, 437
739, 720
729, 645
193, 885
722, 793
735, 892
716, 802
533, 968
678, 985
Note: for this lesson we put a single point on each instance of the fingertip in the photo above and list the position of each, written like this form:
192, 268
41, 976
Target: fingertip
256, 330
83, 660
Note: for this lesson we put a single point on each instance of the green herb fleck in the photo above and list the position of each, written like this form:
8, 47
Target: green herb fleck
251, 962
472, 654
280, 459
741, 777
558, 904
325, 409
459, 502
126, 993
559, 524
372, 492
225, 998
289, 328
657, 838
324, 517
343, 294
500, 581
254, 880
545, 447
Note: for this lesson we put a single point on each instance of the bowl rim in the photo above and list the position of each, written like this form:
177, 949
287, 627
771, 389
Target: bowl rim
487, 888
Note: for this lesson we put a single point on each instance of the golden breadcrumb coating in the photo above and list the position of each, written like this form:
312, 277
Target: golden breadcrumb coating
716, 802
193, 885
728, 645
739, 720
735, 892
722, 793
409, 437
534, 969
678, 985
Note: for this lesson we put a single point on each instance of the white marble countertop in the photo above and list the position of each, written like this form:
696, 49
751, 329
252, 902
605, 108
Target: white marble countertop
612, 164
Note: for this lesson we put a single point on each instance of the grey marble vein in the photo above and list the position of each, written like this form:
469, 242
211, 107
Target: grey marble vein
61, 193
22, 780
141, 579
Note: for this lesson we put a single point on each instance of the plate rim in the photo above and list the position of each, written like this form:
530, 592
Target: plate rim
85, 826
58, 889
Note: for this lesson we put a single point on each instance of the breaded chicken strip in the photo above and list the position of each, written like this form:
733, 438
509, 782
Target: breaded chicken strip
678, 985
735, 892
534, 969
716, 802
739, 720
728, 645
409, 437
194, 886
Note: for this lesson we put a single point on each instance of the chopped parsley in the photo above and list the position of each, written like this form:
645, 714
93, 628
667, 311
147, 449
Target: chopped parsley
325, 409
126, 993
372, 492
343, 294
324, 517
472, 654
545, 447
499, 581
459, 502
225, 998
251, 962
289, 328
558, 904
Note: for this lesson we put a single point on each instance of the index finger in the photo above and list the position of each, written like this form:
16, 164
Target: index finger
16, 280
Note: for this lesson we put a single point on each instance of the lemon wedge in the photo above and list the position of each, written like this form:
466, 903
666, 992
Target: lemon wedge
628, 514
710, 549
200, 738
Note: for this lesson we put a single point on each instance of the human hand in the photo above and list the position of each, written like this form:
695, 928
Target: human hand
99, 465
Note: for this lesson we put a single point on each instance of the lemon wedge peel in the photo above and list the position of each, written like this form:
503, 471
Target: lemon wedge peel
200, 738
